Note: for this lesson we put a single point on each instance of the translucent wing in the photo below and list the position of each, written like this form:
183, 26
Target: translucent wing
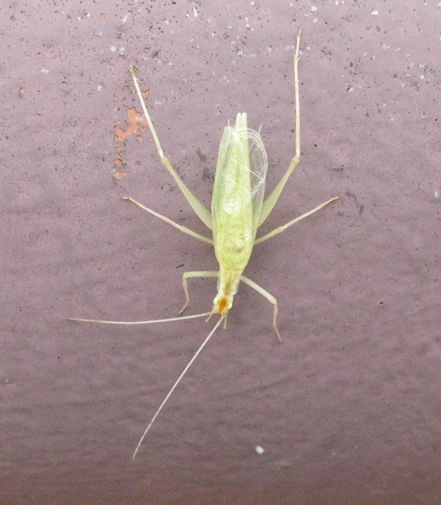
239, 186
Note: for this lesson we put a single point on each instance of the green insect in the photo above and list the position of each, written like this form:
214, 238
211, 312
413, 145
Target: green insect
238, 209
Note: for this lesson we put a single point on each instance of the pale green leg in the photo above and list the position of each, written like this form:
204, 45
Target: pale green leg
184, 229
268, 296
294, 221
188, 275
202, 212
269, 203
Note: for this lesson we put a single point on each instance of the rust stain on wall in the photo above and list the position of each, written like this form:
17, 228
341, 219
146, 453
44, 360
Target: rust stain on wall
136, 125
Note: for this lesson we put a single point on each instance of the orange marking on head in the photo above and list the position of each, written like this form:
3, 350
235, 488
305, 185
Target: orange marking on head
222, 305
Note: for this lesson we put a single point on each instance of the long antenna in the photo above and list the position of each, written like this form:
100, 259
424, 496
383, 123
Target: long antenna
153, 321
204, 343
297, 93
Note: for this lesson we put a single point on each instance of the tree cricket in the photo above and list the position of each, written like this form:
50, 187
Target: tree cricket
238, 209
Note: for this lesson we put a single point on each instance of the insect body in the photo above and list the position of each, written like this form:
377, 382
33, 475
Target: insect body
237, 202
238, 210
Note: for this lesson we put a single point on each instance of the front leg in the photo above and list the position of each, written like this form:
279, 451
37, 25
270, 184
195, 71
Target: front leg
272, 299
188, 275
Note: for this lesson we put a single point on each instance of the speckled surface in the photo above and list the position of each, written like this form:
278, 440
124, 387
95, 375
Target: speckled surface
347, 410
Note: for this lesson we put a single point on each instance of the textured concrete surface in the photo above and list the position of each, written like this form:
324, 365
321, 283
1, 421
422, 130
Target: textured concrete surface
347, 410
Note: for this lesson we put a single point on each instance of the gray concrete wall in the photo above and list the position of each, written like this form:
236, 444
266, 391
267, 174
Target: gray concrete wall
347, 409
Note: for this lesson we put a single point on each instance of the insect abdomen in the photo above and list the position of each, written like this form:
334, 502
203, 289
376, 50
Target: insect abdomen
238, 193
